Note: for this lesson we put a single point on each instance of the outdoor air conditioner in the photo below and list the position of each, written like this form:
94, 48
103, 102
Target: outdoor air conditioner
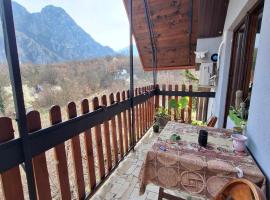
206, 58
206, 47
206, 71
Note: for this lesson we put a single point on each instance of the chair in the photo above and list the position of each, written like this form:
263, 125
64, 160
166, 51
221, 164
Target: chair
212, 122
240, 189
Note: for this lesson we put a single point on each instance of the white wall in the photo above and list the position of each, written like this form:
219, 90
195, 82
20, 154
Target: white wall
258, 129
237, 9
221, 90
207, 44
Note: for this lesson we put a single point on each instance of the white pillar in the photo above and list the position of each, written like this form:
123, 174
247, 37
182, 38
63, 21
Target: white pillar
221, 91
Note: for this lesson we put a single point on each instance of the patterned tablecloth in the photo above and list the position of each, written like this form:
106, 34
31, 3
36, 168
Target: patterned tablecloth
192, 170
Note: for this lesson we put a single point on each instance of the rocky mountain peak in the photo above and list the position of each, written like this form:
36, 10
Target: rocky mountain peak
51, 35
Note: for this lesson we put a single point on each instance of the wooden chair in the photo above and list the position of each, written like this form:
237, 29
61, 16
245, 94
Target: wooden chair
240, 189
163, 195
212, 122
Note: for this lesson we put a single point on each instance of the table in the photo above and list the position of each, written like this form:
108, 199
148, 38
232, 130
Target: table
193, 170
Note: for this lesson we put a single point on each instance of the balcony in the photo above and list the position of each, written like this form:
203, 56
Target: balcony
98, 152
124, 181
72, 159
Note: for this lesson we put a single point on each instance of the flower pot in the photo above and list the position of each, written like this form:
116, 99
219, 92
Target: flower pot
239, 142
156, 128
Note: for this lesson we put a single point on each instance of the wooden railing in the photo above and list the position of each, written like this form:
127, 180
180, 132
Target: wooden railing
196, 108
103, 145
94, 141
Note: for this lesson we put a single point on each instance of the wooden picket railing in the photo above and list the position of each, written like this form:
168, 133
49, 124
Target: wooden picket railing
195, 110
95, 152
103, 146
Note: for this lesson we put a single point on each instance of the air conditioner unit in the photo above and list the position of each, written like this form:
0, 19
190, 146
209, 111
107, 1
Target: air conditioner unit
206, 71
205, 48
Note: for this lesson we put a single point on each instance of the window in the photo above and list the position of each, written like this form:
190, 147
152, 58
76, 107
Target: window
243, 59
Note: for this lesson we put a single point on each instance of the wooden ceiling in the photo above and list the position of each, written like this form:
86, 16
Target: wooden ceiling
174, 24
212, 17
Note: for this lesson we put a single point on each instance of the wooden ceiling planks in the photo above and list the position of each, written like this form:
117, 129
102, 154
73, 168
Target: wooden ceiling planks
212, 17
171, 17
171, 24
176, 25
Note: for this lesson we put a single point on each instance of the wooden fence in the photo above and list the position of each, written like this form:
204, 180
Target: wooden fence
105, 145
195, 110
95, 152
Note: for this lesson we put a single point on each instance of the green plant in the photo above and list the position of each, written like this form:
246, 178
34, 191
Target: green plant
162, 117
198, 123
190, 77
162, 112
235, 117
182, 103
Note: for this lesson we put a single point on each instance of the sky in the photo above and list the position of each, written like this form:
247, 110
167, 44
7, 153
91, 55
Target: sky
105, 20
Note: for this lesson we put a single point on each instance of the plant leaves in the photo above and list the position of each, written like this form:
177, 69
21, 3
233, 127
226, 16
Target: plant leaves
173, 103
183, 102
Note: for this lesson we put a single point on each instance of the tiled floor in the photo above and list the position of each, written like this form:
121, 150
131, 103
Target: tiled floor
123, 183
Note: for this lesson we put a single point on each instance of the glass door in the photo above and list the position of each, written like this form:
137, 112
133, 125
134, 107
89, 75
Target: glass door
243, 59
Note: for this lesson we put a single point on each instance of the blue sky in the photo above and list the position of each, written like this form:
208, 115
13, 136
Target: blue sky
105, 20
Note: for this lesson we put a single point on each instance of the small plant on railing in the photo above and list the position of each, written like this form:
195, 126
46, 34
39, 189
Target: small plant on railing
182, 103
198, 123
162, 117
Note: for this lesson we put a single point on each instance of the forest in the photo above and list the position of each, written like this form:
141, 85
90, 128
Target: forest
60, 83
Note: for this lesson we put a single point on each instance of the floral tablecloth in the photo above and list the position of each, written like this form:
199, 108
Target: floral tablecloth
193, 170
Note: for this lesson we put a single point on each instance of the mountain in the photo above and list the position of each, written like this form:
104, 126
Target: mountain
51, 35
125, 51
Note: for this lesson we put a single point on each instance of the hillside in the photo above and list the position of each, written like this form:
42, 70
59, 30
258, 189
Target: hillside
51, 35
125, 51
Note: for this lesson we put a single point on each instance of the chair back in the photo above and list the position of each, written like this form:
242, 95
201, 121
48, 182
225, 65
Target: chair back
240, 189
212, 122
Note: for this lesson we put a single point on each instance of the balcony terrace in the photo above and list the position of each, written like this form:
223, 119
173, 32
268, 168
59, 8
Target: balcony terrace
124, 182
98, 152
78, 167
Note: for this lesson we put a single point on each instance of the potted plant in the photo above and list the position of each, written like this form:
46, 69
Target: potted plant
156, 127
182, 103
236, 117
162, 117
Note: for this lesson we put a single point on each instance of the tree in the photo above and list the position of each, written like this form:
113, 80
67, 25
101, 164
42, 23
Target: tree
191, 77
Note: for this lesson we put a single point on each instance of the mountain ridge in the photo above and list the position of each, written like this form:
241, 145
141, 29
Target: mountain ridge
125, 51
51, 35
